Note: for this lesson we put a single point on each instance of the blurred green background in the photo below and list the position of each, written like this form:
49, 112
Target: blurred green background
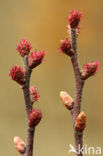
44, 22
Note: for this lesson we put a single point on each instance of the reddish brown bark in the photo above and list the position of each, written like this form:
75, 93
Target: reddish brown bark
28, 108
78, 91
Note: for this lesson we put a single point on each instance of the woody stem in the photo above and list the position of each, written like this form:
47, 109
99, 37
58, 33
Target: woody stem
78, 91
28, 108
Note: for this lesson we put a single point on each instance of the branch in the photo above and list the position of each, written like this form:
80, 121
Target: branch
28, 107
70, 49
26, 87
30, 140
33, 116
79, 88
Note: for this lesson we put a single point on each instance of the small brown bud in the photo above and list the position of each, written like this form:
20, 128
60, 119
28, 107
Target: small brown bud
67, 100
19, 145
80, 122
34, 117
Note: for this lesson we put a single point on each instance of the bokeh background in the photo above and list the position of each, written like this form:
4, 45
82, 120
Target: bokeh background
44, 22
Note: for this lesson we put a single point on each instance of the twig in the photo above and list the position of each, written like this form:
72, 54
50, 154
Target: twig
28, 107
70, 49
79, 88
33, 116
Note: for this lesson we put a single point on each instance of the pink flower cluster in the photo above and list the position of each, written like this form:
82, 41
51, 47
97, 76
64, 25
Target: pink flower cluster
35, 117
89, 69
74, 18
36, 58
17, 74
65, 47
24, 47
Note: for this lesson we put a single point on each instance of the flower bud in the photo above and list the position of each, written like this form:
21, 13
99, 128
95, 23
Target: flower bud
23, 47
67, 100
17, 74
80, 122
36, 58
89, 69
65, 47
34, 118
74, 18
19, 145
34, 94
